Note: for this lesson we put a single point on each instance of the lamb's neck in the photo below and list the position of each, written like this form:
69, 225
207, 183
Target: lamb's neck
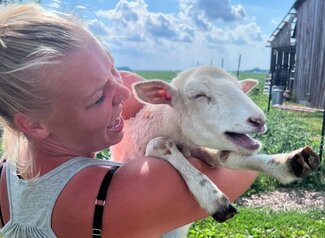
169, 121
164, 118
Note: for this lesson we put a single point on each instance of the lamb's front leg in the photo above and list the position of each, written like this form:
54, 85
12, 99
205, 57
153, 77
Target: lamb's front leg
204, 190
285, 167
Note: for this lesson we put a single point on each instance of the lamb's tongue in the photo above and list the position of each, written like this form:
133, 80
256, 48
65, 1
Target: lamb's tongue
244, 140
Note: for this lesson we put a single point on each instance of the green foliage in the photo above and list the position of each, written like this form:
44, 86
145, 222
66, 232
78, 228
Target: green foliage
285, 133
249, 75
104, 154
261, 223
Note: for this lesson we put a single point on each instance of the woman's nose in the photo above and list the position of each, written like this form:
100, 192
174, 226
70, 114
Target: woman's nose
121, 95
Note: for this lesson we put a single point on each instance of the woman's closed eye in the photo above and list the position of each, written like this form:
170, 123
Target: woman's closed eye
100, 100
103, 95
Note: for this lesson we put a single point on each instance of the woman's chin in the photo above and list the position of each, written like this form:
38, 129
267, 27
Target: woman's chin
113, 140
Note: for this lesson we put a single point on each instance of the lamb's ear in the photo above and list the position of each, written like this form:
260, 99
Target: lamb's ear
247, 85
154, 92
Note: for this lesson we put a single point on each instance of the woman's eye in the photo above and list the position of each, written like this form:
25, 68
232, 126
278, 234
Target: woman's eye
100, 100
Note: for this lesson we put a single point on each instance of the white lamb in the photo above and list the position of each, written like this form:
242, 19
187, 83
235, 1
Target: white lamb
206, 113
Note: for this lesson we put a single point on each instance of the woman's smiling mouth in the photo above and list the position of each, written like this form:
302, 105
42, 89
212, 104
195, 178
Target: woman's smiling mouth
116, 125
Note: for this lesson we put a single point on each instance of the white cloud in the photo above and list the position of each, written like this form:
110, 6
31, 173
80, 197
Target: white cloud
206, 12
274, 22
202, 30
238, 11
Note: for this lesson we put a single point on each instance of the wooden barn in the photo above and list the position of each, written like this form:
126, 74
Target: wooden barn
298, 53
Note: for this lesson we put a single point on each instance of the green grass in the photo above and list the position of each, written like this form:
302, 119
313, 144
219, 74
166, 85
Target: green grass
261, 223
287, 131
163, 75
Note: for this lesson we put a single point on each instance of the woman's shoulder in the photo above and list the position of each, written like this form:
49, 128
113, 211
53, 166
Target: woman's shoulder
146, 198
74, 208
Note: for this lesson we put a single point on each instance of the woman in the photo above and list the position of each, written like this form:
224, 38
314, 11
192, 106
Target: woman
61, 101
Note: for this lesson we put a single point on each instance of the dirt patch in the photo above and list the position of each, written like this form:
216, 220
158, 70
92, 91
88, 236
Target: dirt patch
286, 199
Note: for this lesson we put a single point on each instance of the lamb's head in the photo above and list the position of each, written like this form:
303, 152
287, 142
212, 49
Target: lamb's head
214, 109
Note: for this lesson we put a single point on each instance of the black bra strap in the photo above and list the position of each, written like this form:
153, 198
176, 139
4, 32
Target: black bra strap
100, 203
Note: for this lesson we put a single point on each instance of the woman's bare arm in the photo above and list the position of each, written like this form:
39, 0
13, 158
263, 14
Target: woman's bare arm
158, 199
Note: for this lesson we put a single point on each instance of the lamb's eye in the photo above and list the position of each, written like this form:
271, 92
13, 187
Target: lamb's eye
201, 96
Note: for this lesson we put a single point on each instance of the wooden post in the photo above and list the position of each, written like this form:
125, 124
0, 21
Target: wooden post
238, 66
272, 70
321, 148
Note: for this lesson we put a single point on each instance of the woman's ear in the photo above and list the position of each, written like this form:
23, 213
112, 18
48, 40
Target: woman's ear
30, 126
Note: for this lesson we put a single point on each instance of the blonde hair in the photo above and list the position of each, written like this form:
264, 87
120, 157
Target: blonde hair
31, 40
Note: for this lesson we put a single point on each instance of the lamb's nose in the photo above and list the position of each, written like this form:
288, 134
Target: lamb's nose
259, 123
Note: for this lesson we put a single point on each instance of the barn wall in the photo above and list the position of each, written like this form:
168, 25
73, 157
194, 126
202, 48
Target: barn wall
310, 53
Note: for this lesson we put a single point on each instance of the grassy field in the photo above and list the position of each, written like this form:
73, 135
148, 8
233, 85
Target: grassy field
259, 223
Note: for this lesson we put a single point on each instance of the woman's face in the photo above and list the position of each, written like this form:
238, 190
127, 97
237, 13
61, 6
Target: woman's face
88, 98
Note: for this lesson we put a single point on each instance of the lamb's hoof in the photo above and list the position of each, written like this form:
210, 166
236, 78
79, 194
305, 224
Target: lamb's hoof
304, 162
225, 214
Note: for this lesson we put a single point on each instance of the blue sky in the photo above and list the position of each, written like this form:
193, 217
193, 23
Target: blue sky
179, 34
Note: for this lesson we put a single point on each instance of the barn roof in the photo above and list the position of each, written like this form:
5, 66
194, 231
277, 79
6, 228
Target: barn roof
289, 18
298, 4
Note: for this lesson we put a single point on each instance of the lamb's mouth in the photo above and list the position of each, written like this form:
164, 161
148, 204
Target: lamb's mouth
242, 140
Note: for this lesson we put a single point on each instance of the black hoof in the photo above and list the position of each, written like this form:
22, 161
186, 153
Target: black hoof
225, 214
